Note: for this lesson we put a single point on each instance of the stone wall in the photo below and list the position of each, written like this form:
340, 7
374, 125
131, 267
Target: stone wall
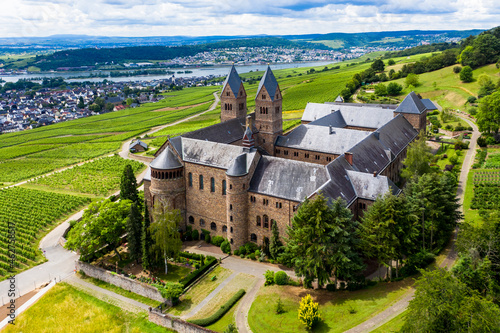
141, 158
120, 281
176, 324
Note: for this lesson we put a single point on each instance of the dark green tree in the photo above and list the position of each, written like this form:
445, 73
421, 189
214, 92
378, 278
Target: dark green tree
276, 246
418, 158
391, 62
321, 242
128, 185
488, 115
394, 89
148, 255
81, 103
134, 233
378, 65
466, 74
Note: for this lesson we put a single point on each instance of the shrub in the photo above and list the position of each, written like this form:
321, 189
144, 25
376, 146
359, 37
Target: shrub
279, 309
191, 277
171, 290
252, 256
194, 256
416, 261
217, 240
331, 287
269, 276
222, 310
207, 238
471, 99
309, 312
280, 278
242, 250
251, 247
457, 69
195, 235
257, 253
225, 247
236, 252
454, 159
231, 328
242, 255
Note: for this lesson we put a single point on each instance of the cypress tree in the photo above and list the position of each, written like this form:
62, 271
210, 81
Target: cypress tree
134, 233
146, 241
276, 247
128, 185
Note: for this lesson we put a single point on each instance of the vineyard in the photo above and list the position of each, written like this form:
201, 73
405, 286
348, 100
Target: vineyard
32, 213
100, 177
493, 161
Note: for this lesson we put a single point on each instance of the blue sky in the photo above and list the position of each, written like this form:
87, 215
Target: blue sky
21, 18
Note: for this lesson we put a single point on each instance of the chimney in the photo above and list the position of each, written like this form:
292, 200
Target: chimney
331, 130
377, 135
374, 173
348, 157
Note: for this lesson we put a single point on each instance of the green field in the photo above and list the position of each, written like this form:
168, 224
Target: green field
340, 310
100, 177
30, 214
66, 309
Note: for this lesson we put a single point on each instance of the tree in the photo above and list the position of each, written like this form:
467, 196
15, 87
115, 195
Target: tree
165, 232
321, 242
275, 247
109, 107
380, 89
391, 62
147, 241
128, 185
418, 158
486, 86
394, 89
103, 223
309, 314
466, 74
412, 80
231, 328
129, 101
488, 115
99, 101
171, 290
134, 232
81, 103
444, 304
378, 65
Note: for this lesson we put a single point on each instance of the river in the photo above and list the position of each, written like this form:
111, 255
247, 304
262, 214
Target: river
196, 72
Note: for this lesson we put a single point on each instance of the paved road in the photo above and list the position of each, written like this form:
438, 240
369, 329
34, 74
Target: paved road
401, 305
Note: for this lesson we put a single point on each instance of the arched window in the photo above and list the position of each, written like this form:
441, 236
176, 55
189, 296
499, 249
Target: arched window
223, 187
213, 226
231, 229
212, 184
201, 182
266, 221
190, 179
259, 221
253, 238
202, 222
232, 241
191, 220
224, 228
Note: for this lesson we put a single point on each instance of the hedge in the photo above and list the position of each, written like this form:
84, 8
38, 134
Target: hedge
191, 277
194, 256
222, 310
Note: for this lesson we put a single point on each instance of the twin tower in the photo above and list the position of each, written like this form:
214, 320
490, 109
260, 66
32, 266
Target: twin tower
267, 119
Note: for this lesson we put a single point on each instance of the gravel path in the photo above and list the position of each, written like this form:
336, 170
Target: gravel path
244, 307
401, 305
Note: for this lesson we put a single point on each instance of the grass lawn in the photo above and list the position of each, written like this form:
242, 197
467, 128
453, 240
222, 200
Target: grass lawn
229, 318
120, 291
393, 325
340, 310
175, 273
199, 292
449, 151
65, 309
241, 281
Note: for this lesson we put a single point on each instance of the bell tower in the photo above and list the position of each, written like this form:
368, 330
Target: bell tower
233, 98
268, 111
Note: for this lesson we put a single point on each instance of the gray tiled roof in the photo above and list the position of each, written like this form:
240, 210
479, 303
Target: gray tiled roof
239, 167
226, 132
314, 111
139, 142
370, 187
287, 179
147, 176
334, 119
411, 104
269, 81
233, 80
322, 139
397, 134
166, 160
209, 153
339, 185
429, 105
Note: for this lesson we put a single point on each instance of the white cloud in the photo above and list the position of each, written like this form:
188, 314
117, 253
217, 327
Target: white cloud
224, 17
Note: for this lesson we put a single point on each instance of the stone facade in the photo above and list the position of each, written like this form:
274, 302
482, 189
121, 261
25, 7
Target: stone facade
304, 155
418, 121
176, 324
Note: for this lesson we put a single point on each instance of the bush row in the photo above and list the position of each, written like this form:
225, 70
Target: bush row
191, 277
193, 256
222, 310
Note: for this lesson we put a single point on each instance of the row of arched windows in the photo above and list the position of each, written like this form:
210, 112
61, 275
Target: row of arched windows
201, 183
166, 174
263, 110
264, 222
228, 106
213, 225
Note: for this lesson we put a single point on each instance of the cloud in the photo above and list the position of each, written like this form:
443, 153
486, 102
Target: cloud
243, 17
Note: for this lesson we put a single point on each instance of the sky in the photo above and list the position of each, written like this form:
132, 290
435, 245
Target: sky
25, 18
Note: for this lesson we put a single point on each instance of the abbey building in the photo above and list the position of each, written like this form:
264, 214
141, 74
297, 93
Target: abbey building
236, 178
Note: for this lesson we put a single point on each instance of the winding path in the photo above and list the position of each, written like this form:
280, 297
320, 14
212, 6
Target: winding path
401, 305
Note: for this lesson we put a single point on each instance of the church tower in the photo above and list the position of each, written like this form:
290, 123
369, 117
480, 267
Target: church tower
268, 111
233, 98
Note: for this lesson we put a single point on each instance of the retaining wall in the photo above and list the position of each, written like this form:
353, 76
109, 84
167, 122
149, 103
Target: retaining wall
176, 324
126, 283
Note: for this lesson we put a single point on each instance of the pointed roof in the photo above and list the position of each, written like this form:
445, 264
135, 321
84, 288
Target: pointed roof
233, 80
411, 104
239, 167
166, 160
269, 81
248, 140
